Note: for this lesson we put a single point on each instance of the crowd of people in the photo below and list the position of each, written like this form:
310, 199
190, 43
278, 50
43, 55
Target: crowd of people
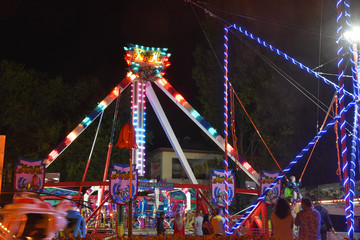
203, 225
312, 222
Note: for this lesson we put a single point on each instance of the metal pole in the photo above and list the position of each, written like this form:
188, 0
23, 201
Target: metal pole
130, 196
226, 162
109, 153
354, 145
340, 17
120, 230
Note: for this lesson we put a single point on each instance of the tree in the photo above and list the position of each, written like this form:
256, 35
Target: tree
40, 110
270, 104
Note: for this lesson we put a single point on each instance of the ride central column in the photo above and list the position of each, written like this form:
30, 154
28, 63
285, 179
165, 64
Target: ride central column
138, 108
146, 64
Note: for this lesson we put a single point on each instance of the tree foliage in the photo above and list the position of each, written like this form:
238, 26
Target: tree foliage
268, 102
39, 110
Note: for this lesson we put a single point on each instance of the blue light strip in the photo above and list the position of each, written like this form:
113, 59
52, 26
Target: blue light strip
358, 87
288, 58
226, 162
286, 170
340, 31
354, 146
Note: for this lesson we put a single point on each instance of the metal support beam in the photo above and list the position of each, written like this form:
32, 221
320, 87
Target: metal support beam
154, 101
206, 128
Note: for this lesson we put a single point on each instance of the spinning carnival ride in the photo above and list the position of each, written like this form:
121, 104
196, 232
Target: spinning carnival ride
147, 66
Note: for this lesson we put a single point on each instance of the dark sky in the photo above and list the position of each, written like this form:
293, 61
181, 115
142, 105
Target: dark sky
77, 38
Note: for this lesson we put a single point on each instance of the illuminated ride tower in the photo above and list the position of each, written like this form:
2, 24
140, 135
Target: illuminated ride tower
146, 68
146, 64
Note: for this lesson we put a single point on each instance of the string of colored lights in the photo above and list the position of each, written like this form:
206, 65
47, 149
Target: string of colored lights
354, 145
287, 169
290, 59
138, 107
226, 162
88, 119
206, 127
340, 31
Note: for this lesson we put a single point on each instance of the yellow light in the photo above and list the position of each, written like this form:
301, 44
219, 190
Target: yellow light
71, 136
179, 98
162, 82
116, 91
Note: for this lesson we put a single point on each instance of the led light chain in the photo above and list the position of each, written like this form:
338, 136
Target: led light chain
290, 59
292, 163
354, 146
226, 162
339, 31
138, 107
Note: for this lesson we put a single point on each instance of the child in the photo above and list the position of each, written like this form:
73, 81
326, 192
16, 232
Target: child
294, 187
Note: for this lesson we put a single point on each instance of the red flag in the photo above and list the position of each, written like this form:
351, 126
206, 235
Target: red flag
127, 137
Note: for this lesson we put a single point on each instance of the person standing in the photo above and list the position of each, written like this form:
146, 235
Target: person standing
282, 221
160, 228
198, 222
326, 223
218, 223
206, 226
308, 219
178, 226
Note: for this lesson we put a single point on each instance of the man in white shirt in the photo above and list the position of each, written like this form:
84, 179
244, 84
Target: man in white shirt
198, 221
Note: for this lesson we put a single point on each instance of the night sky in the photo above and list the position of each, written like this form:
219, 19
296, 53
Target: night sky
80, 38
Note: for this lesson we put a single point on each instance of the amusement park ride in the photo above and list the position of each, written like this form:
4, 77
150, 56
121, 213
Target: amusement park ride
147, 66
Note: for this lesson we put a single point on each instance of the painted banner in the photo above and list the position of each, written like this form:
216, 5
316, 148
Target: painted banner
120, 183
29, 175
266, 179
218, 187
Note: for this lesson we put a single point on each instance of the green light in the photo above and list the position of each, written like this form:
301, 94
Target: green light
212, 131
86, 121
101, 106
194, 113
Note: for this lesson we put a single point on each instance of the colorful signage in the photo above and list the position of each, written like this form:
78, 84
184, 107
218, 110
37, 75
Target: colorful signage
156, 185
120, 183
267, 178
147, 63
29, 175
218, 187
